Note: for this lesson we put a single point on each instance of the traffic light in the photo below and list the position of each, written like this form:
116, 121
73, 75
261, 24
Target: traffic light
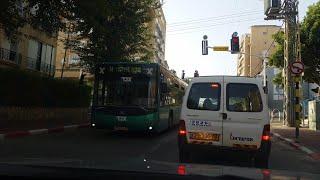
183, 74
196, 74
235, 48
205, 45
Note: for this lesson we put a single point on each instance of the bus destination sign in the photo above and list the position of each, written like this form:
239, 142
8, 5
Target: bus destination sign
127, 70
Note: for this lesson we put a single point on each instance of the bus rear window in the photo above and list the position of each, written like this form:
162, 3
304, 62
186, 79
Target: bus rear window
204, 96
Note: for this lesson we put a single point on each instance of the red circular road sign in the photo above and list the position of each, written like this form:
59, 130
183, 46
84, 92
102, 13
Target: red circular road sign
297, 67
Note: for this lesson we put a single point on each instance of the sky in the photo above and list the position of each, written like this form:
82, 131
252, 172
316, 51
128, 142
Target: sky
189, 20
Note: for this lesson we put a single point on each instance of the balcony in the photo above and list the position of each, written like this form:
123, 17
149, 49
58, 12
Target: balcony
13, 58
10, 57
33, 64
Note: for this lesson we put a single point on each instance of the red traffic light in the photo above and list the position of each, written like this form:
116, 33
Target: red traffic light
235, 39
235, 45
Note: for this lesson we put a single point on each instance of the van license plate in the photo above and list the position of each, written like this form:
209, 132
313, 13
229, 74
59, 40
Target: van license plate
204, 136
201, 123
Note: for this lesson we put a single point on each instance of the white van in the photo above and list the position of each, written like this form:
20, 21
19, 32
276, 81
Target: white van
225, 113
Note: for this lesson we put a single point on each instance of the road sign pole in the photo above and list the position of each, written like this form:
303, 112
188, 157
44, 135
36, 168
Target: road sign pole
297, 105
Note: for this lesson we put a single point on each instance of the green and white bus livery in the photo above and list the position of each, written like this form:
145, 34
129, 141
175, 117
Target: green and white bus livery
140, 97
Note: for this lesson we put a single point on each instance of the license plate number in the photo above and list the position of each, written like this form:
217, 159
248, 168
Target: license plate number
200, 123
204, 136
121, 128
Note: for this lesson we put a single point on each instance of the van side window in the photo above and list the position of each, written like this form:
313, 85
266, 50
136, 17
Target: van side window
204, 96
243, 97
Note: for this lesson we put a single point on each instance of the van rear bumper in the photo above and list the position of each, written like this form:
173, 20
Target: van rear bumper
264, 149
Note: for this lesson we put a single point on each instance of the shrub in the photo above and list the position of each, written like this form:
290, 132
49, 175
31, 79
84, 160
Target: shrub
24, 88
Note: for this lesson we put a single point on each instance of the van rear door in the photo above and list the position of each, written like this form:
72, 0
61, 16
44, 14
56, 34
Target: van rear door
246, 113
202, 110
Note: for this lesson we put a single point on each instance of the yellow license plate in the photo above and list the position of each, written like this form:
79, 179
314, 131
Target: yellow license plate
121, 128
204, 136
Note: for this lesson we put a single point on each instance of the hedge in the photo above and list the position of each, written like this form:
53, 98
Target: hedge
30, 89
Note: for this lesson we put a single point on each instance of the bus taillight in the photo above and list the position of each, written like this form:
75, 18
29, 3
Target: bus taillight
182, 128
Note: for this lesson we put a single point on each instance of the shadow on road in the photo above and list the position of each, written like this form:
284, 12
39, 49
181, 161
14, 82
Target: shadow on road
225, 160
134, 135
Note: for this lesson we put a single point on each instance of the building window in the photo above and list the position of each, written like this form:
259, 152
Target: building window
264, 33
74, 59
41, 56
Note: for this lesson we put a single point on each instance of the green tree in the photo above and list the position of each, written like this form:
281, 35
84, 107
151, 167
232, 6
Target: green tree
310, 38
114, 30
105, 30
46, 15
310, 51
277, 58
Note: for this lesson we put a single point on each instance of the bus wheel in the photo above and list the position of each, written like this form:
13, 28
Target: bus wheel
170, 121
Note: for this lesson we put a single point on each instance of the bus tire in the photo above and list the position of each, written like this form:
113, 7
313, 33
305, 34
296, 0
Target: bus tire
170, 120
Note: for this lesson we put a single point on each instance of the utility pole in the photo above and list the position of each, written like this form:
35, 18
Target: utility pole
288, 11
290, 56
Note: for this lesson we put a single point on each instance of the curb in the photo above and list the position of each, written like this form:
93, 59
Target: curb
16, 134
312, 154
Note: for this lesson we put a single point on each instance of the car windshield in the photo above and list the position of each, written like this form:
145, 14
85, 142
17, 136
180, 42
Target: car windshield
187, 87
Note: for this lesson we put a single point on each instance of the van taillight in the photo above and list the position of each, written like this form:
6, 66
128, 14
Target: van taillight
266, 133
182, 128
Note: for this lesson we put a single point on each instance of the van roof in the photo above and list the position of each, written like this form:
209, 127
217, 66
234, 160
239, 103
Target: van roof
244, 78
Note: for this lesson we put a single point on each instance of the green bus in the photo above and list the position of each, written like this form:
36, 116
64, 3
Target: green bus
136, 97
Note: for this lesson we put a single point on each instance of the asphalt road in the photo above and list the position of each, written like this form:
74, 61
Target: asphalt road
93, 145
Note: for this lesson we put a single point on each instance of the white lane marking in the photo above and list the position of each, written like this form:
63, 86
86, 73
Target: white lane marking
276, 134
302, 148
289, 140
305, 149
38, 131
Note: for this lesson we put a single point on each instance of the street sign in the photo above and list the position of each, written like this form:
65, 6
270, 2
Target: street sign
297, 68
205, 47
220, 48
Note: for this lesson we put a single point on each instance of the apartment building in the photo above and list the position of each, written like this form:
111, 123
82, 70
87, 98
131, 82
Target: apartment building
34, 50
254, 45
68, 57
243, 68
158, 26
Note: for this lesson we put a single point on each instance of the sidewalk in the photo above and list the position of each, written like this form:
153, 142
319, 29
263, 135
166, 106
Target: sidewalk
22, 133
308, 141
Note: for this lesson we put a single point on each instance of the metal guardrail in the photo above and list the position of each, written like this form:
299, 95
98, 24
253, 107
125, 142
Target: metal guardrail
10, 56
276, 113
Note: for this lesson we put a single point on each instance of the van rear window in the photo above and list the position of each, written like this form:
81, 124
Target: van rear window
204, 96
242, 97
